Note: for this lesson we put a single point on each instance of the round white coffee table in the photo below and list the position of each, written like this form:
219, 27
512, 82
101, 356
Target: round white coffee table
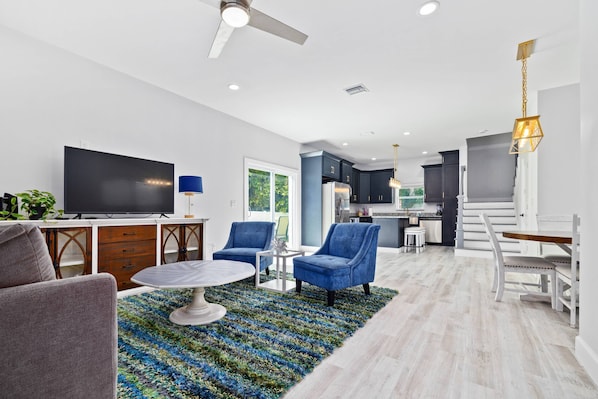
196, 274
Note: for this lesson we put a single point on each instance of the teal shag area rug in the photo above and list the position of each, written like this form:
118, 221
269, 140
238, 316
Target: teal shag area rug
265, 344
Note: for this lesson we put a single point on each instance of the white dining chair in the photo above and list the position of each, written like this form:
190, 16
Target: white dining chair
518, 264
568, 277
550, 251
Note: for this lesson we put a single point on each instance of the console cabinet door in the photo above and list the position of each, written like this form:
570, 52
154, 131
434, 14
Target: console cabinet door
181, 242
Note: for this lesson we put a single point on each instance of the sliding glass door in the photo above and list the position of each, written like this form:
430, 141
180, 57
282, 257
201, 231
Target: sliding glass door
270, 195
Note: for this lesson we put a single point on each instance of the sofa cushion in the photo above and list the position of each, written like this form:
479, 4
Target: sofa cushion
24, 256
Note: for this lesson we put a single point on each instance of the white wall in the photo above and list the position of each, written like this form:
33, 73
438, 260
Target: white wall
559, 152
586, 345
50, 98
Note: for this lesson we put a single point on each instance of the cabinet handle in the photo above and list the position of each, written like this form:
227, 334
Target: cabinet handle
130, 234
128, 250
128, 267
332, 169
348, 179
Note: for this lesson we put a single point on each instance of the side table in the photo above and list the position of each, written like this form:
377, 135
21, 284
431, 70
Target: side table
280, 283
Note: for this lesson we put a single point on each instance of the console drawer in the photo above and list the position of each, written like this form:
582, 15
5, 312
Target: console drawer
127, 264
126, 233
127, 249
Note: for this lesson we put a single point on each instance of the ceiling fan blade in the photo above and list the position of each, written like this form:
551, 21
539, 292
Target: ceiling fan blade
222, 36
213, 3
268, 24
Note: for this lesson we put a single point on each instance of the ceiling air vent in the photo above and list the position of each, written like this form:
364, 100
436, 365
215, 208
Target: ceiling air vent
356, 89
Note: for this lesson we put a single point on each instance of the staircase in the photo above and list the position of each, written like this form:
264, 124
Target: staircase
474, 242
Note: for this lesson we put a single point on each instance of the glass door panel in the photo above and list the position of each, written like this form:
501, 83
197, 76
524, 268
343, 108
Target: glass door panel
270, 196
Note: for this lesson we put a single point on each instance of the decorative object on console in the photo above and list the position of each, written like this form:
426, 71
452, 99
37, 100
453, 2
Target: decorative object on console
9, 207
527, 131
190, 185
39, 204
394, 182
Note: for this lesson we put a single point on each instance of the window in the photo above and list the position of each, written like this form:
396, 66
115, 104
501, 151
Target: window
411, 198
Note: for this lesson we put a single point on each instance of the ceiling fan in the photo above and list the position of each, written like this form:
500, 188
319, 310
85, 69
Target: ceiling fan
238, 13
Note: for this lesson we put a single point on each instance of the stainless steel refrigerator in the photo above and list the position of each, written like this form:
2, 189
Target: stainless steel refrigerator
335, 205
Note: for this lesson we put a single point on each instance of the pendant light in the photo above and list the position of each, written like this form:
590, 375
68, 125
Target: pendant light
394, 182
527, 131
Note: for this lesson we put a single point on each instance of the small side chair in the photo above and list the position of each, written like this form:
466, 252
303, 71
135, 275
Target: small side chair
347, 258
245, 240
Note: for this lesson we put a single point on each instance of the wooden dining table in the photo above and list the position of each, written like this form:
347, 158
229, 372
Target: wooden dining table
563, 239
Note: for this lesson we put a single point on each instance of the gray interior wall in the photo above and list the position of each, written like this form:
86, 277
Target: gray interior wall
490, 168
559, 152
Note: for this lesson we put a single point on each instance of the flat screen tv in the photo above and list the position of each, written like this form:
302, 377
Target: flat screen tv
102, 183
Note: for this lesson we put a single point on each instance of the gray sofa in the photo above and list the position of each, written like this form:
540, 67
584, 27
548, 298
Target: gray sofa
58, 337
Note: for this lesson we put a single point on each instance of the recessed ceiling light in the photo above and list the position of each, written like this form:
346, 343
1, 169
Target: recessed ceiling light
424, 152
345, 144
373, 159
234, 86
406, 133
428, 8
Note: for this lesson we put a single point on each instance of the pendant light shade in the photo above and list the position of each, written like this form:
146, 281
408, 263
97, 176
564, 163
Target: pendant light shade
527, 131
394, 182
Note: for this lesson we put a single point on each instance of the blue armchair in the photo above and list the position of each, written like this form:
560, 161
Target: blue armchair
347, 258
245, 240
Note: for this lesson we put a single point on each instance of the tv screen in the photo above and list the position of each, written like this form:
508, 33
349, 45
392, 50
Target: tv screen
99, 182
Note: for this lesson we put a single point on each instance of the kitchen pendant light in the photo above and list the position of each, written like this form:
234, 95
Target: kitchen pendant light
394, 182
527, 131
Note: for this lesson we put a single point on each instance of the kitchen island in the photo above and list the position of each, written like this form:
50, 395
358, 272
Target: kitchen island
392, 227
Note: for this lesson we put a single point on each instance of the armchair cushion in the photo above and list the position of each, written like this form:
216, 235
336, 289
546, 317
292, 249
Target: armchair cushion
25, 258
245, 240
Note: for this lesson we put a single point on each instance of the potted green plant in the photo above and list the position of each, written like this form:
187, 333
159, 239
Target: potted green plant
39, 204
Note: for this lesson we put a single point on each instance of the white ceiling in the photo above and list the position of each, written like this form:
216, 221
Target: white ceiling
444, 78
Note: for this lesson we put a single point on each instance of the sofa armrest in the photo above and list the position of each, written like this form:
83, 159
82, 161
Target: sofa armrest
59, 338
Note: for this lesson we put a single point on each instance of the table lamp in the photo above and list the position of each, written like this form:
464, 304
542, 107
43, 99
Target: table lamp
190, 185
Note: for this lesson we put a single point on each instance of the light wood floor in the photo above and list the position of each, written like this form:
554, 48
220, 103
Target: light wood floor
444, 336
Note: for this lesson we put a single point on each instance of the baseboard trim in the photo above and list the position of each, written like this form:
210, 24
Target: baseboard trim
587, 357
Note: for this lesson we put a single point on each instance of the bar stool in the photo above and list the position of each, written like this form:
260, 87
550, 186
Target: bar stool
415, 234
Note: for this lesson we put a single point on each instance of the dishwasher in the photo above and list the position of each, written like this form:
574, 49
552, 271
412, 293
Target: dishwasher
433, 230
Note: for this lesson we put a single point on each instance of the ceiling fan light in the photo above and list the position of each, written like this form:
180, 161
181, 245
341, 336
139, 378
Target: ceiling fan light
428, 8
235, 14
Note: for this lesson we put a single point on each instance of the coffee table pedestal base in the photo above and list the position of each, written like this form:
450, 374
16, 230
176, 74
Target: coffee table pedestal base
198, 311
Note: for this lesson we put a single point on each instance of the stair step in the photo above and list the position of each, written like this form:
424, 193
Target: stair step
490, 212
488, 205
495, 220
